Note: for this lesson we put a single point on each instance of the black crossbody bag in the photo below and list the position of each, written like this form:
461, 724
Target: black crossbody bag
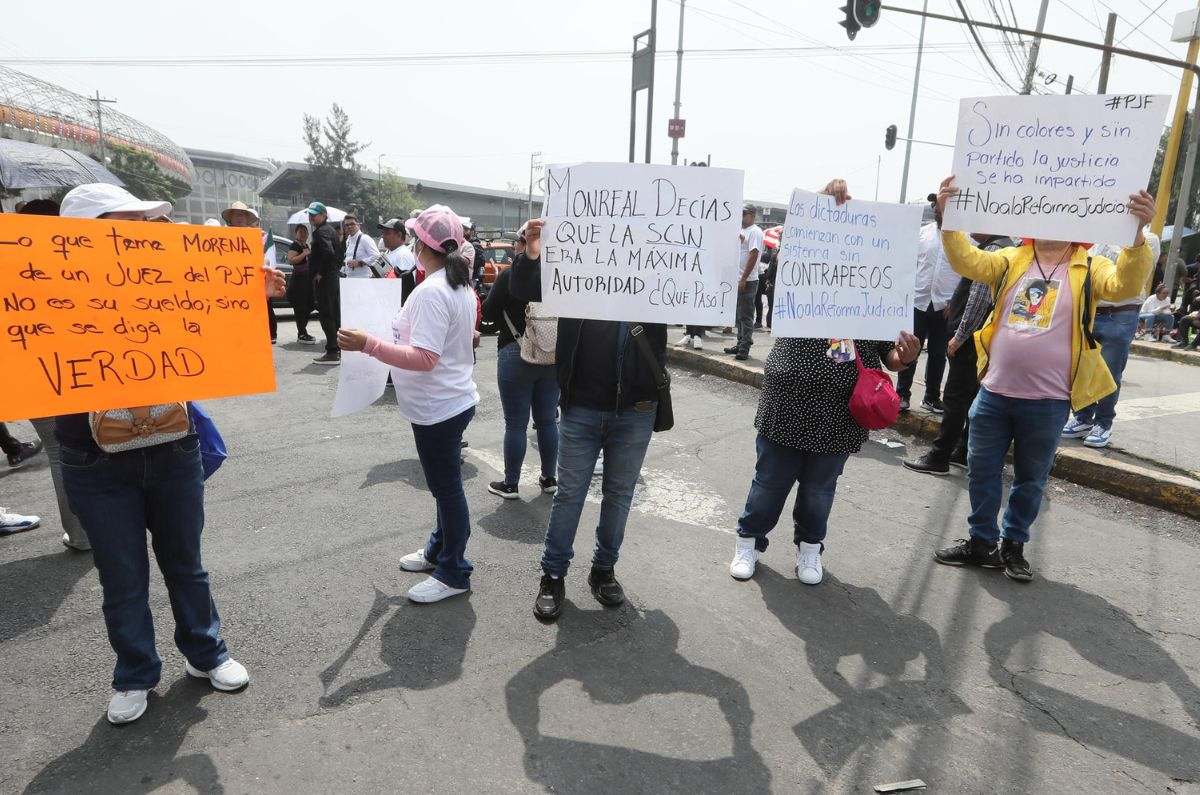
664, 418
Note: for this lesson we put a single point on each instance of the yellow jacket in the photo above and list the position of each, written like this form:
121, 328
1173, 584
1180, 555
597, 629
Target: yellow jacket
1090, 379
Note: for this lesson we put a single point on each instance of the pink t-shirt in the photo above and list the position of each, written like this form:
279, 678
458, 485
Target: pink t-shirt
1030, 356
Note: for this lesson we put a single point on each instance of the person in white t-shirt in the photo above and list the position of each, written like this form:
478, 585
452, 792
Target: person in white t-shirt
433, 359
750, 247
361, 250
399, 257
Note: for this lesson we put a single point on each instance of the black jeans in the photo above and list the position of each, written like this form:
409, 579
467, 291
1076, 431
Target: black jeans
300, 296
695, 331
272, 323
329, 303
765, 290
929, 326
962, 384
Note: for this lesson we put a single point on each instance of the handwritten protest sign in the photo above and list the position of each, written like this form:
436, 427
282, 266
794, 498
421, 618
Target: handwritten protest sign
634, 242
370, 305
1054, 167
846, 271
111, 314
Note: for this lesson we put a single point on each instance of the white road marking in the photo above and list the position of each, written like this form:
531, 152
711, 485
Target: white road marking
1148, 408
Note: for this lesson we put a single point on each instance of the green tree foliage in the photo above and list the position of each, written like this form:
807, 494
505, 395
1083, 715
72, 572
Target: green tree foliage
336, 177
1156, 173
142, 176
388, 198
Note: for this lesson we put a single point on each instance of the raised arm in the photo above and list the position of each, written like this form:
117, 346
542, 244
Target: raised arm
1134, 264
525, 284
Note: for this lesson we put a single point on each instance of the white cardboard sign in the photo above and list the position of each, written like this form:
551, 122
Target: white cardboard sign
1054, 167
370, 305
634, 242
845, 272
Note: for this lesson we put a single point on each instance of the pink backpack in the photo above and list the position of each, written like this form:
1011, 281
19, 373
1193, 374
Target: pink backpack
874, 403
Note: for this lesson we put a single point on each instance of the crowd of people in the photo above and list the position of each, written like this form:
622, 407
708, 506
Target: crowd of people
1024, 325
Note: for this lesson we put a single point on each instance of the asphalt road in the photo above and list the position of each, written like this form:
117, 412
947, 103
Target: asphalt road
894, 668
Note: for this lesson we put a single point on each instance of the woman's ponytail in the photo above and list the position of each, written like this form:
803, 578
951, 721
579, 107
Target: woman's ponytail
458, 269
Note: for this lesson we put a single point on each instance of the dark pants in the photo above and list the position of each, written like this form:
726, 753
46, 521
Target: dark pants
765, 291
8, 443
118, 497
272, 322
439, 447
695, 331
929, 326
1114, 331
962, 384
745, 317
778, 469
300, 296
328, 294
1186, 325
526, 387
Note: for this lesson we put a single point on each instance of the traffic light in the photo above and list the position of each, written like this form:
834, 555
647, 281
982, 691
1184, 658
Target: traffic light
859, 14
889, 138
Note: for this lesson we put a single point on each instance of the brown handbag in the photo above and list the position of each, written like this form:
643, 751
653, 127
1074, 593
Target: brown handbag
118, 430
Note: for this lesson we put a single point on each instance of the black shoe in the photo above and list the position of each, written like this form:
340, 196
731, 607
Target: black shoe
731, 349
903, 403
1016, 568
307, 339
549, 603
959, 457
329, 358
464, 444
549, 485
502, 489
934, 405
741, 357
929, 464
605, 587
272, 340
27, 451
1181, 345
970, 552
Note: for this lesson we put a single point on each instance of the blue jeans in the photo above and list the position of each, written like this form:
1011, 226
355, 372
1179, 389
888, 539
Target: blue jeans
1158, 319
1115, 335
524, 386
118, 497
778, 469
439, 447
1033, 428
583, 433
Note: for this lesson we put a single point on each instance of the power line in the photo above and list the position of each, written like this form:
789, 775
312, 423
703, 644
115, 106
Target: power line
979, 44
1143, 22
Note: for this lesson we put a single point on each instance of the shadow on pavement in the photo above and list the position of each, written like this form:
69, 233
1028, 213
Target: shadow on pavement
32, 589
139, 757
1108, 638
423, 647
618, 657
517, 520
837, 620
408, 470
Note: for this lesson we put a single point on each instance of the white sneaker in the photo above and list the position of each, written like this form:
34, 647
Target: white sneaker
808, 564
432, 590
126, 706
1098, 438
228, 676
1076, 429
684, 341
16, 523
416, 562
697, 343
82, 546
745, 559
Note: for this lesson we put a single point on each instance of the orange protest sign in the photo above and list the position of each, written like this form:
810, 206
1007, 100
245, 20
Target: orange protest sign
99, 314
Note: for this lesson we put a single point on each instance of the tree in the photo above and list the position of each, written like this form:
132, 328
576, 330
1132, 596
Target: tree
336, 177
142, 176
1193, 216
389, 197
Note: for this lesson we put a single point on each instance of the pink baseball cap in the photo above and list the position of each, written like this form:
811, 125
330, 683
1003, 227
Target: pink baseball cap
437, 227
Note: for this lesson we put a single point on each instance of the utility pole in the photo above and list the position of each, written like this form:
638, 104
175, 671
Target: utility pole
678, 79
1106, 59
1033, 49
1166, 178
534, 165
98, 102
1187, 27
1070, 82
912, 109
379, 184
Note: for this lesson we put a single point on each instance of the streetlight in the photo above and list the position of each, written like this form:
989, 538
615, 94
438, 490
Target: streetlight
535, 164
379, 185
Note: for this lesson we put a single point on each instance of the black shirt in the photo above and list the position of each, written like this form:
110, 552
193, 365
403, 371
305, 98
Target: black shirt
501, 302
323, 257
298, 248
805, 403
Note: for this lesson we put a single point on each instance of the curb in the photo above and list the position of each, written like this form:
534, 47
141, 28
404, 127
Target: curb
1165, 353
1078, 465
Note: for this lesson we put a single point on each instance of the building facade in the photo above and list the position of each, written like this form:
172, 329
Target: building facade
221, 180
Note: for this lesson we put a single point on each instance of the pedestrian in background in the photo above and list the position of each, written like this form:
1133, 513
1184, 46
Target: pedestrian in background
400, 261
432, 349
1038, 358
300, 287
325, 263
360, 249
242, 216
750, 246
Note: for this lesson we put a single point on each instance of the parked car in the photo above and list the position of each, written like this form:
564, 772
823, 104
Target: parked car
281, 245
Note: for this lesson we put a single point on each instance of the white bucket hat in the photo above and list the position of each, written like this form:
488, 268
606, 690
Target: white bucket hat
96, 199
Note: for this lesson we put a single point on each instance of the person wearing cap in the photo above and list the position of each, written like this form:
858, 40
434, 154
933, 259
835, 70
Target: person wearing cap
242, 216
432, 353
750, 242
118, 497
609, 399
300, 286
401, 262
361, 250
324, 263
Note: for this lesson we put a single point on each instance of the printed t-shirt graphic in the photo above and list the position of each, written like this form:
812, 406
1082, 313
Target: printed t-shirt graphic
1033, 305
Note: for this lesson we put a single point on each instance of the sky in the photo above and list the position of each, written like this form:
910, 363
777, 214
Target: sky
772, 87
